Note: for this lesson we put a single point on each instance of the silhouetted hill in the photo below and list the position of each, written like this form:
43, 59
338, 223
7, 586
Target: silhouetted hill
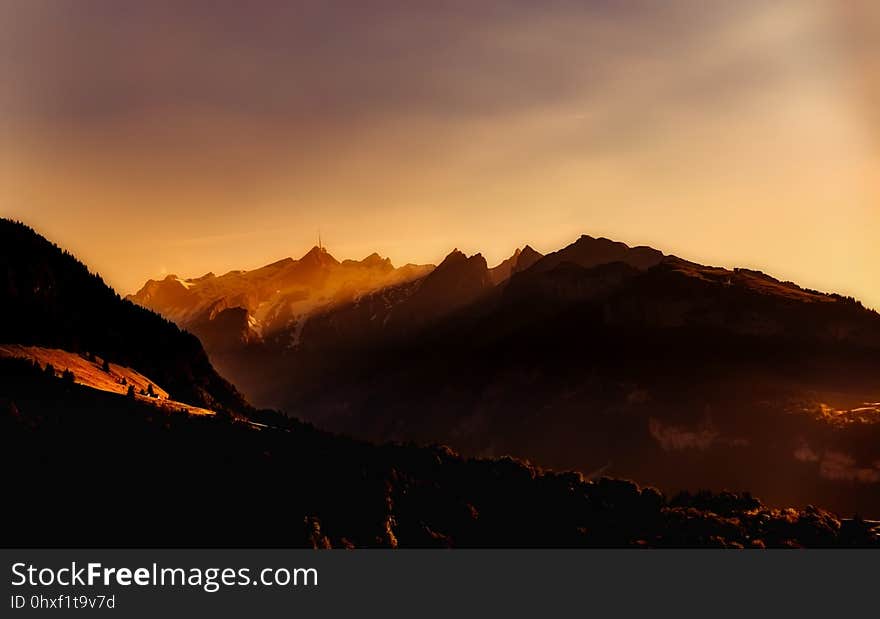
50, 299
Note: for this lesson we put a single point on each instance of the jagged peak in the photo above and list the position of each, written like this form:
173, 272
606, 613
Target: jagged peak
520, 260
456, 255
586, 238
375, 259
526, 258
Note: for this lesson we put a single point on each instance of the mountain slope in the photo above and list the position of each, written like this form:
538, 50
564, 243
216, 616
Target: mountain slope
96, 373
50, 299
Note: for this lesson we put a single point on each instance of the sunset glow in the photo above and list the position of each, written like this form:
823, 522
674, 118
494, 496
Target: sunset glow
183, 138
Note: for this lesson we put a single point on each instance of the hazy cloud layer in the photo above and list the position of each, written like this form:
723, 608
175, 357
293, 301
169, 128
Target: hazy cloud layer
839, 466
734, 133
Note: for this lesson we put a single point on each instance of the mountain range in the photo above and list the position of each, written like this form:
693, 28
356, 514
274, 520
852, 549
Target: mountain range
239, 307
111, 402
598, 357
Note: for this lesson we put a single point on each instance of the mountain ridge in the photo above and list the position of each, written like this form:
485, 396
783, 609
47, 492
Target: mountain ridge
660, 369
275, 481
273, 297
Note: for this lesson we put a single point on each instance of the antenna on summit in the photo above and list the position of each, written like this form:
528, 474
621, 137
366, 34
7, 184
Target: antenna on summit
320, 246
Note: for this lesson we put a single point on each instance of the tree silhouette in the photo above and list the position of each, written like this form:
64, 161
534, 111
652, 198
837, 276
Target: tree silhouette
130, 392
106, 365
150, 391
50, 370
68, 376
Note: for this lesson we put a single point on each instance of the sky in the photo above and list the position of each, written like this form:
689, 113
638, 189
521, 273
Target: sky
184, 137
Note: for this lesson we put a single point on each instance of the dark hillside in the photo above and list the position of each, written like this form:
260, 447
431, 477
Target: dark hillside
93, 469
51, 299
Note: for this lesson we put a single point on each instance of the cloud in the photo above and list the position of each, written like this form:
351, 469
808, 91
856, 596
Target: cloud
841, 466
477, 124
701, 436
804, 454
838, 465
675, 438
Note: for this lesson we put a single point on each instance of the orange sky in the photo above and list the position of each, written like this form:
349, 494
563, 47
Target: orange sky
191, 136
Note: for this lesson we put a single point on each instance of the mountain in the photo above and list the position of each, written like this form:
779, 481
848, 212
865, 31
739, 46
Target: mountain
457, 281
167, 472
309, 350
603, 358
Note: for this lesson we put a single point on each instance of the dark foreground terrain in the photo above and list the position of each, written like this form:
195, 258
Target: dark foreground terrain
87, 468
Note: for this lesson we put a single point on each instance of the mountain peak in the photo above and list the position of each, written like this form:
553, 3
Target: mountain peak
455, 255
375, 260
519, 261
171, 291
457, 265
318, 255
526, 258
456, 281
589, 251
